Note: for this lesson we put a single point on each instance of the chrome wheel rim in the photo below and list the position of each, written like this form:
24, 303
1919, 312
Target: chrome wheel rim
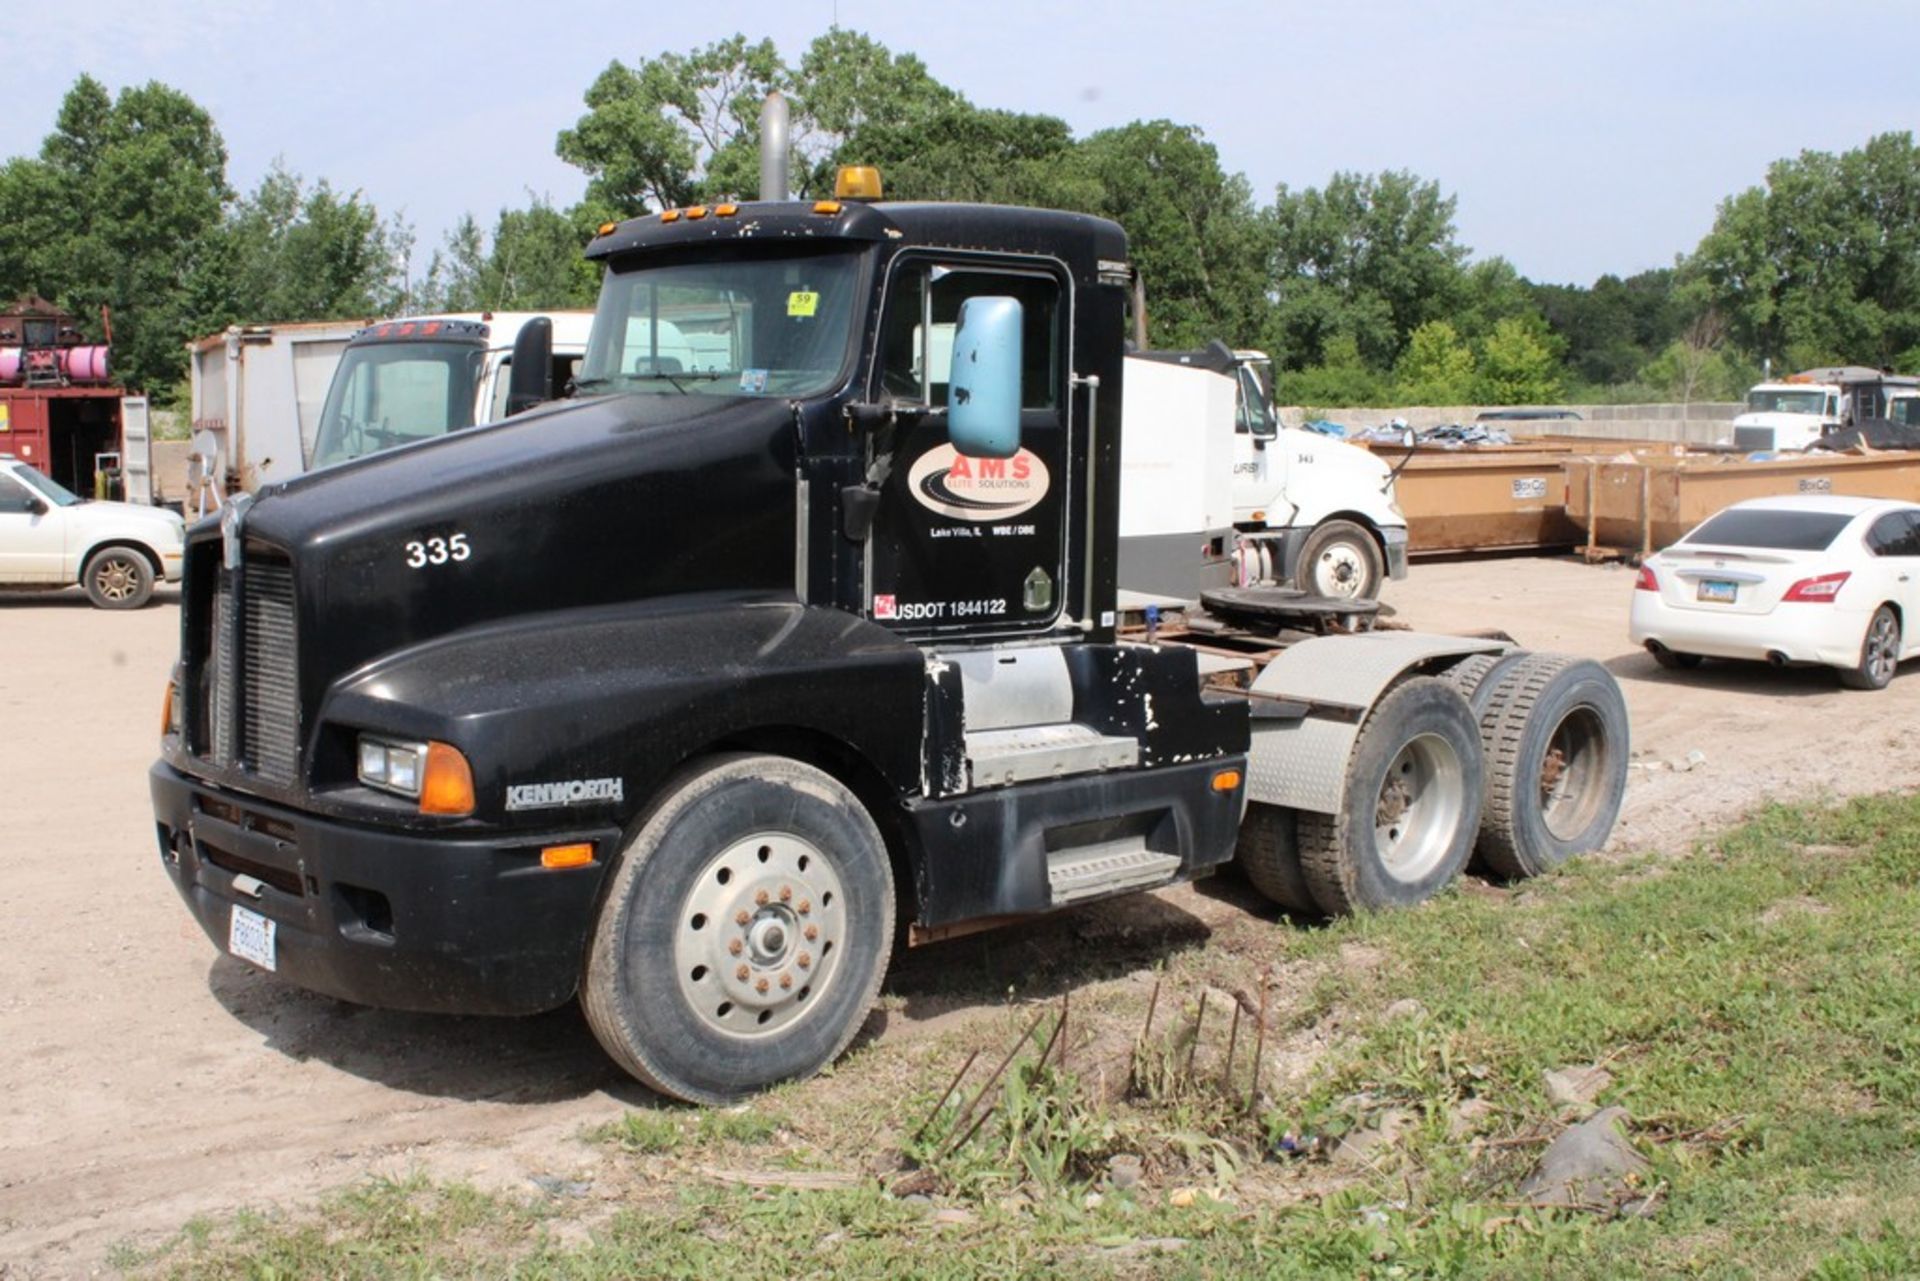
760, 934
1419, 808
116, 579
1883, 648
1340, 570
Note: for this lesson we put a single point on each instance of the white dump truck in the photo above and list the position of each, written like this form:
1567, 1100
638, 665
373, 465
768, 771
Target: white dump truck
1792, 412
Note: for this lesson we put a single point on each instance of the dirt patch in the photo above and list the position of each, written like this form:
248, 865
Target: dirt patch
148, 1080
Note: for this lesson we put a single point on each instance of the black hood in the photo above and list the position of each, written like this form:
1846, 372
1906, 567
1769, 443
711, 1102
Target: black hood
578, 505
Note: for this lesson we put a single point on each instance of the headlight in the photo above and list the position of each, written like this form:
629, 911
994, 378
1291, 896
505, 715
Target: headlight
391, 766
435, 774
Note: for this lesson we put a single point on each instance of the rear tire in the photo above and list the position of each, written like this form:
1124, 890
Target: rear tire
1879, 653
118, 578
745, 932
1341, 560
1477, 676
1555, 736
1411, 807
1269, 854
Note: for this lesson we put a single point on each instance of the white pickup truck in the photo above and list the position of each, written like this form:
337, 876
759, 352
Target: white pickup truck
51, 537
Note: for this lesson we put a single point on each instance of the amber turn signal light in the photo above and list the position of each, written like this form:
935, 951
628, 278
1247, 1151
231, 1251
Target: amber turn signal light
1227, 780
560, 856
446, 786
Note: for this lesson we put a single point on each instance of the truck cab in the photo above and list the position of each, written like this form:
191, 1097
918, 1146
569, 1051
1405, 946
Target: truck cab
414, 378
1793, 412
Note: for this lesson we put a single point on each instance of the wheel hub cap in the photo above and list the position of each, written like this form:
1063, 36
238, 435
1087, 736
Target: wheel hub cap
760, 934
1419, 807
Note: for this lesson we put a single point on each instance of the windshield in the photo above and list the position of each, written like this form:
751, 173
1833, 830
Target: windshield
765, 325
1761, 401
1772, 527
49, 488
388, 394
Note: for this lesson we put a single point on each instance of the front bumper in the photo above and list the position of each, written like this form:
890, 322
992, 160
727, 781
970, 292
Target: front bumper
408, 922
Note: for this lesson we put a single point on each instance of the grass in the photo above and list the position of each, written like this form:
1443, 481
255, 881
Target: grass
1757, 1003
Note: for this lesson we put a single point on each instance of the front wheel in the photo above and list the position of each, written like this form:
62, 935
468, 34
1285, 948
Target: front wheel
117, 578
1411, 805
746, 931
1340, 559
1879, 653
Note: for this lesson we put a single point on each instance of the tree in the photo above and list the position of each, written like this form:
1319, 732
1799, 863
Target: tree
118, 209
533, 263
1370, 255
1193, 229
1437, 367
1518, 364
290, 252
1617, 325
1342, 378
1822, 265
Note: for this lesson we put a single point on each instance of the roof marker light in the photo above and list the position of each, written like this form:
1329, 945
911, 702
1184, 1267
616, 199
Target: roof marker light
669, 215
608, 228
696, 212
826, 206
726, 210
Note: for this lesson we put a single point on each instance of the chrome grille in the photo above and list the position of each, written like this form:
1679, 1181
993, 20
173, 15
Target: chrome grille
255, 708
271, 703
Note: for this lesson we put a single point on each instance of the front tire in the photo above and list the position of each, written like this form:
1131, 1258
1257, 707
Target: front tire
1411, 808
746, 931
1879, 653
1341, 560
118, 578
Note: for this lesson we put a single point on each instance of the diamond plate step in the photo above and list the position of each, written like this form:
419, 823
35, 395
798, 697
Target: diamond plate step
1087, 871
1000, 757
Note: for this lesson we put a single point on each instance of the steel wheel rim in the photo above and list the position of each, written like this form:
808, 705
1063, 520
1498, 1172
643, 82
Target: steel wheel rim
1569, 771
760, 935
1418, 810
1339, 571
116, 579
1883, 647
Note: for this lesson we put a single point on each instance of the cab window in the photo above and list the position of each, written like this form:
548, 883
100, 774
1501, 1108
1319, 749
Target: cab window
923, 307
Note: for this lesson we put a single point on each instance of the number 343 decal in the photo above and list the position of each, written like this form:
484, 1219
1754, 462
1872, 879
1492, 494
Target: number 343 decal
423, 552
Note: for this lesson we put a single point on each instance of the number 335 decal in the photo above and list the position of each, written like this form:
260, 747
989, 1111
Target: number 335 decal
437, 551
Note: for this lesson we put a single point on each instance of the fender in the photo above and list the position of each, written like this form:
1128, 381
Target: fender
616, 697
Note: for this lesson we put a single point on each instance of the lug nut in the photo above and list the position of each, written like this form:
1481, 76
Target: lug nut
733, 946
812, 932
786, 893
741, 917
761, 985
805, 906
742, 973
804, 959
761, 898
786, 981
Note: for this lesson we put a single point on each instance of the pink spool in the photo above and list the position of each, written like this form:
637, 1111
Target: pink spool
84, 364
9, 364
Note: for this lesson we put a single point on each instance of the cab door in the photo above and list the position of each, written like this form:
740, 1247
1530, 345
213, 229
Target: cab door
969, 546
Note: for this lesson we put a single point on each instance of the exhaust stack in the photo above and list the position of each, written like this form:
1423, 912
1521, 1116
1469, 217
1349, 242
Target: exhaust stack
773, 147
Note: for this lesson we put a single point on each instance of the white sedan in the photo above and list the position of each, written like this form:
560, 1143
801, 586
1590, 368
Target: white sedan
1812, 579
50, 537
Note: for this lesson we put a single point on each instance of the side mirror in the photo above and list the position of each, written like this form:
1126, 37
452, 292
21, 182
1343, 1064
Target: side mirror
983, 388
37, 505
530, 380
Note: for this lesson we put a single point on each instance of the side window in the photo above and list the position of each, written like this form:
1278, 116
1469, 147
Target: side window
1894, 535
916, 338
14, 498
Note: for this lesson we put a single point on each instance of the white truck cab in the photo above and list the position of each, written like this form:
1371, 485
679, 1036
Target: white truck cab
1308, 511
423, 376
1792, 412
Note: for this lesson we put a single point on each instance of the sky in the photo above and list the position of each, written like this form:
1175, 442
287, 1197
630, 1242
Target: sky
1579, 138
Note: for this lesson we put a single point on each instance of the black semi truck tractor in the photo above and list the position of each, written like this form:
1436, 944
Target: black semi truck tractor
794, 619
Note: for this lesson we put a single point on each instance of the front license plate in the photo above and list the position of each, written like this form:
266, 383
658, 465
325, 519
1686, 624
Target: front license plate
1717, 592
250, 937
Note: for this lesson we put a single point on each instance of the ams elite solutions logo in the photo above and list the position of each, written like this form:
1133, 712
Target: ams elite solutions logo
977, 489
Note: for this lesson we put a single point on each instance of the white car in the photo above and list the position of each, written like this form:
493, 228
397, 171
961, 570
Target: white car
50, 537
1809, 579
